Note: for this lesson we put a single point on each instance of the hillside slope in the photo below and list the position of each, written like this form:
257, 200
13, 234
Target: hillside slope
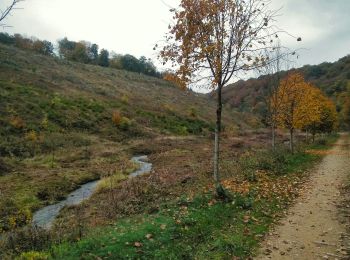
78, 97
332, 78
63, 124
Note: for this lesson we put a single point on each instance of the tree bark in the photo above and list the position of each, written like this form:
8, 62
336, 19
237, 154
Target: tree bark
219, 189
291, 143
273, 130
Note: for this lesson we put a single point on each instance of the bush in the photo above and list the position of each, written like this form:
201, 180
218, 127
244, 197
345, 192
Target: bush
4, 167
193, 112
14, 217
125, 123
25, 239
248, 166
33, 255
17, 122
116, 118
125, 99
321, 141
274, 162
120, 121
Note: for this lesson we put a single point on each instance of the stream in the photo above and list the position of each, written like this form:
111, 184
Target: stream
45, 217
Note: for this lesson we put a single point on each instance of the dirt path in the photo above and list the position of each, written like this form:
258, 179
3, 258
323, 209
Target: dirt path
313, 227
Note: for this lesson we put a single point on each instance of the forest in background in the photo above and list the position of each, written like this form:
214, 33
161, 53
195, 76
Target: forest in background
333, 79
82, 52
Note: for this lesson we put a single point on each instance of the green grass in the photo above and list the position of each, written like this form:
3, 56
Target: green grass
323, 143
194, 229
176, 124
299, 162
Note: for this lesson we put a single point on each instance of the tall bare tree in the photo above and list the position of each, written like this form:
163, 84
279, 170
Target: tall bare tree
280, 60
5, 11
215, 40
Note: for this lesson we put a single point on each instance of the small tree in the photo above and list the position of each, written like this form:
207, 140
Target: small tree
328, 119
272, 70
103, 58
299, 104
214, 40
43, 47
66, 48
290, 96
93, 53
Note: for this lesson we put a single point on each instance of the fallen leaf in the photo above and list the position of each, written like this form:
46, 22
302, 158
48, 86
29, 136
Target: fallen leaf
246, 219
137, 244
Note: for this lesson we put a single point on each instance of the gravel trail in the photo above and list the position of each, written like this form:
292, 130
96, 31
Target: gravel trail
314, 227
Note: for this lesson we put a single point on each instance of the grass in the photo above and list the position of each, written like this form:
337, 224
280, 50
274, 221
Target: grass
25, 195
177, 125
324, 142
43, 180
201, 228
198, 225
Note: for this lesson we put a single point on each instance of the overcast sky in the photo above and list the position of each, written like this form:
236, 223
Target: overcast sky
134, 26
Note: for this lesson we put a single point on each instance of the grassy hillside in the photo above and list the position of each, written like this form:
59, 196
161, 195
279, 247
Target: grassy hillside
42, 94
332, 78
63, 124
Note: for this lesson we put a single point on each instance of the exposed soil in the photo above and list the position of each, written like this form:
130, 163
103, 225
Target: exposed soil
316, 226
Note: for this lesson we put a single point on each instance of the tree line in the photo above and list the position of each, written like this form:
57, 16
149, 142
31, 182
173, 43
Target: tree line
83, 52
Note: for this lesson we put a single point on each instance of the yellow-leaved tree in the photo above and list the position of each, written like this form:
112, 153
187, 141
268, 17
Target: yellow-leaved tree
292, 105
300, 105
328, 120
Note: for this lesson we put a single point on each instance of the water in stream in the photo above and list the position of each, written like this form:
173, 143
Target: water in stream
46, 216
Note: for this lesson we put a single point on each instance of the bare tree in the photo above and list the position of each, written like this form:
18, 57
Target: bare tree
279, 61
7, 10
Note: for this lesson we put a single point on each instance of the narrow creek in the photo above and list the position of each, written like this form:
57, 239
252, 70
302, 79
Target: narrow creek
45, 217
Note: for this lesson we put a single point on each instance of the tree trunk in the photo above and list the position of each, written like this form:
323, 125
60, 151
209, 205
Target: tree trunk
291, 143
219, 189
273, 130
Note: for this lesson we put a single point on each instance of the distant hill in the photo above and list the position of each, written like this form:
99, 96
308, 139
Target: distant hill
63, 99
332, 78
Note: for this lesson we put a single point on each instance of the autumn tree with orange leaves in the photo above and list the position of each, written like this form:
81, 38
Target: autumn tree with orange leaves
212, 41
300, 105
327, 120
292, 105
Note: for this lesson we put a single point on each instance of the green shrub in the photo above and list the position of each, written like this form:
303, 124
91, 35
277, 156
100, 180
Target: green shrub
33, 255
274, 162
177, 124
25, 239
125, 99
125, 123
248, 167
321, 141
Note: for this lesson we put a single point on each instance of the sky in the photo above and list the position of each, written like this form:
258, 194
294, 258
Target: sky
135, 26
